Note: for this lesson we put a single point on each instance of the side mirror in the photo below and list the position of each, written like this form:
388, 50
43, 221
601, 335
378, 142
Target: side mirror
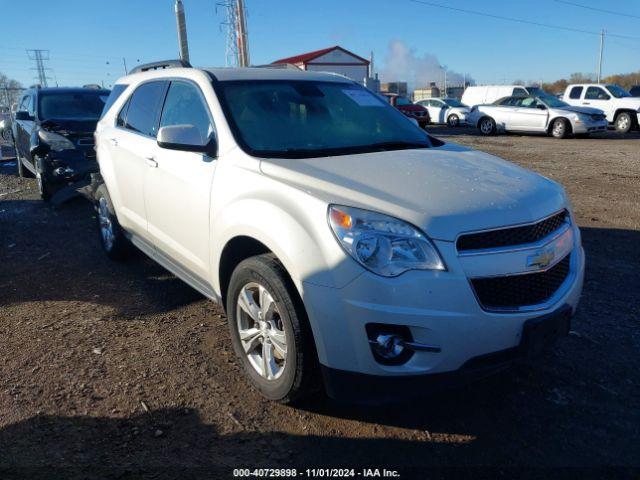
23, 115
186, 138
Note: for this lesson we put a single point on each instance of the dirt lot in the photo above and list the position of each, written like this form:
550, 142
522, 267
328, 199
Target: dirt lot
119, 369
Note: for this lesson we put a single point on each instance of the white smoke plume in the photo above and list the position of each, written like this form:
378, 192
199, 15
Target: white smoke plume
401, 64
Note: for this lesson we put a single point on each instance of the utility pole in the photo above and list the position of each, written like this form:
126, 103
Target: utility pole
181, 25
600, 57
124, 62
40, 56
237, 44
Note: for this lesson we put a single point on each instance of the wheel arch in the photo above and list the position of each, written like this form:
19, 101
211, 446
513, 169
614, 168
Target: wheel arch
631, 112
559, 117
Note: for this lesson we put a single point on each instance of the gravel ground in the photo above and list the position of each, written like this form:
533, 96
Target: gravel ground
123, 371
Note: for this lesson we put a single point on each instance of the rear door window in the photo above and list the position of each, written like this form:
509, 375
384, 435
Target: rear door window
575, 93
144, 108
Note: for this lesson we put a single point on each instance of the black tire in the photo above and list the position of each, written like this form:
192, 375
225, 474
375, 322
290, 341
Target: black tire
299, 368
44, 188
560, 128
118, 247
624, 122
487, 126
453, 120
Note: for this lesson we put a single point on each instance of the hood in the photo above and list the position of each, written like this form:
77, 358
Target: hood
629, 102
584, 110
445, 190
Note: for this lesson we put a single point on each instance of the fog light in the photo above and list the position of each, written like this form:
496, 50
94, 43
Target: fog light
388, 346
389, 343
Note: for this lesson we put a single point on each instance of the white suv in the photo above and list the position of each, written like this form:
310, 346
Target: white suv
340, 238
622, 110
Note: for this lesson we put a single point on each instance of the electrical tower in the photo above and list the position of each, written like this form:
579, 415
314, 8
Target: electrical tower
40, 56
237, 45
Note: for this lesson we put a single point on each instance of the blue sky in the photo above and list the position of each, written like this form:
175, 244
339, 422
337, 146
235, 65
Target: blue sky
83, 35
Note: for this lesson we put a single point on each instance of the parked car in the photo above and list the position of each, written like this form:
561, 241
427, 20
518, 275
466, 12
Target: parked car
635, 91
486, 94
545, 114
339, 238
5, 127
622, 110
53, 135
445, 110
410, 109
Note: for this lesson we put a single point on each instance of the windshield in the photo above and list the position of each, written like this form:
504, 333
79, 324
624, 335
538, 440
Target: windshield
294, 119
553, 102
452, 102
617, 91
72, 106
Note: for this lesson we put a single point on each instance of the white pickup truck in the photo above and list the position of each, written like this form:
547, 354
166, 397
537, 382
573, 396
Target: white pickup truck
621, 109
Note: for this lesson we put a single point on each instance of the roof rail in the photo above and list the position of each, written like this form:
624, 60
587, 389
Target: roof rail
145, 67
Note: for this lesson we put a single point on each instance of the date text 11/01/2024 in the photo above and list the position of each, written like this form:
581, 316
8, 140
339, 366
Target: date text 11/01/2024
316, 473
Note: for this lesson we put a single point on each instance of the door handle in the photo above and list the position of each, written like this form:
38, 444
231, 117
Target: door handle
586, 103
113, 142
151, 161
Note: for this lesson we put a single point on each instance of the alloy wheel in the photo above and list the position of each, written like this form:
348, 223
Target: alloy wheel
486, 126
261, 331
622, 123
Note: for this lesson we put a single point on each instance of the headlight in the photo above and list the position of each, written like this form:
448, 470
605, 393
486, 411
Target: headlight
55, 141
385, 245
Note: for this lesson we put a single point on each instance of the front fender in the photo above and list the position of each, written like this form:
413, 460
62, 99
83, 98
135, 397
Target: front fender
297, 232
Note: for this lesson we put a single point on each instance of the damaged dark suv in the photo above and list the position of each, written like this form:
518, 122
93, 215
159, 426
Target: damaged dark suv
53, 134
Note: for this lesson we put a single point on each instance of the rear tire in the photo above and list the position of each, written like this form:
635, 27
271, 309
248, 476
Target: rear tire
487, 126
624, 122
453, 120
277, 350
560, 128
114, 243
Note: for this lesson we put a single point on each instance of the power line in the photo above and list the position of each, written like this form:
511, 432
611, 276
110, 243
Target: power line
597, 9
520, 20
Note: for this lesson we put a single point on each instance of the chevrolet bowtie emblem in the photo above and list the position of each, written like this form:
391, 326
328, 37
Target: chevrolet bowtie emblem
541, 258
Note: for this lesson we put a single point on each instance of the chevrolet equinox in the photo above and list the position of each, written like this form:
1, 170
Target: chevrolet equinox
348, 247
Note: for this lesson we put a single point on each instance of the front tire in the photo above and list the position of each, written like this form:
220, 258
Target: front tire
43, 187
453, 120
269, 330
624, 122
560, 128
487, 126
114, 243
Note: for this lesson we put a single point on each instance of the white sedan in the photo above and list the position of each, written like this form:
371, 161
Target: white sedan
541, 114
446, 110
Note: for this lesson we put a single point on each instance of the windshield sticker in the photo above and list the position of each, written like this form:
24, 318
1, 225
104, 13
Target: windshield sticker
363, 97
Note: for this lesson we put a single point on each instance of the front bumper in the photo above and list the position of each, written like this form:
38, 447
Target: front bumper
438, 307
375, 389
590, 127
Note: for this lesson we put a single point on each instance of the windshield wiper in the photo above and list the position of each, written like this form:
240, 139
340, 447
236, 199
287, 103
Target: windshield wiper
397, 145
